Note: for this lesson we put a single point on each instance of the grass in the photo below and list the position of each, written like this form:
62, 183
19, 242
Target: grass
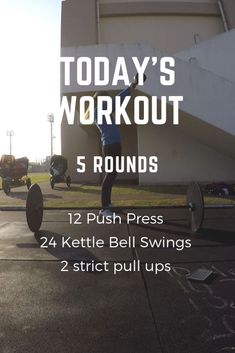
79, 196
38, 177
128, 195
35, 178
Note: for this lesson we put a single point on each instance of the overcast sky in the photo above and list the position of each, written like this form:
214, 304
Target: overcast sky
29, 75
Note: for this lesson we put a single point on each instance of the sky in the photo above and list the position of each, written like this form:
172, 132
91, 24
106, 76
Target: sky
29, 76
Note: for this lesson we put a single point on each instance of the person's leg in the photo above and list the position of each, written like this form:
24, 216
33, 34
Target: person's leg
112, 150
106, 191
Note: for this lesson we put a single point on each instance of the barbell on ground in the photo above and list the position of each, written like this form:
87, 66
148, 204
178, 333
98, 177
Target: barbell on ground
34, 208
194, 205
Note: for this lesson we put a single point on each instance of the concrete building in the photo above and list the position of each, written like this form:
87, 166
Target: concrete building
199, 34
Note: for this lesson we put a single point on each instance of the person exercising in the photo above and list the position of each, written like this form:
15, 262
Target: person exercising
111, 146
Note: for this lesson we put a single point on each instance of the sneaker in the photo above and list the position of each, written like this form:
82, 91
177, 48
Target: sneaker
106, 213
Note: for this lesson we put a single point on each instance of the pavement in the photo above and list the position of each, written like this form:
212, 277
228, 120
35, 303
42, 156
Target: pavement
143, 308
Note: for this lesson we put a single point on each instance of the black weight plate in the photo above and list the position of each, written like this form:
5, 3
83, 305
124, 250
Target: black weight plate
195, 201
34, 208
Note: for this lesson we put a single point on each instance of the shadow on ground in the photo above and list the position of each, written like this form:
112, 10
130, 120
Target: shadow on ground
23, 196
53, 243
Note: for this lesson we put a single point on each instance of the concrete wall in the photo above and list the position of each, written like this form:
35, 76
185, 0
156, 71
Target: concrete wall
216, 55
168, 33
190, 151
229, 10
78, 23
167, 25
159, 1
182, 157
208, 108
207, 96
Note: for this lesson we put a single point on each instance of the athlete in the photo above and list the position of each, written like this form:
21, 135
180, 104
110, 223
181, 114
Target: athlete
111, 146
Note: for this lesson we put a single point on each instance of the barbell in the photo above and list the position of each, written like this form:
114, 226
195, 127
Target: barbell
194, 204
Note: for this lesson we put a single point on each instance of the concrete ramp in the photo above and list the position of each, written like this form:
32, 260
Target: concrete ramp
208, 98
202, 146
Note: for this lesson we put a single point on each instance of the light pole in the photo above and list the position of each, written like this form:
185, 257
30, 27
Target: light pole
10, 133
50, 118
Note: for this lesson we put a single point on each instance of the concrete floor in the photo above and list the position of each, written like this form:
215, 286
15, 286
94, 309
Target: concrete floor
45, 310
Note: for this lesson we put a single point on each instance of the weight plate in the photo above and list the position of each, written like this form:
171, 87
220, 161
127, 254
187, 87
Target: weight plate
195, 202
34, 208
